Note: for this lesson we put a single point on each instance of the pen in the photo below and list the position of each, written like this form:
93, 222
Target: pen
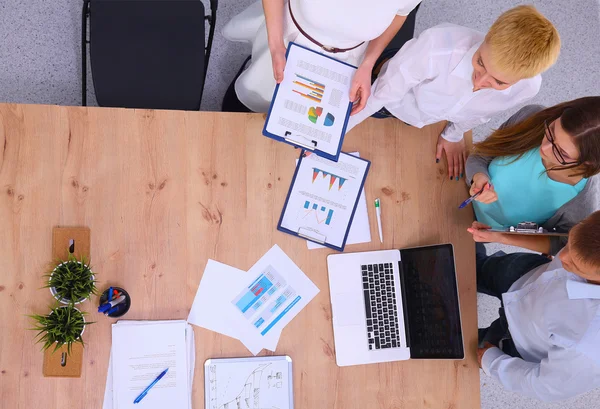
378, 212
108, 305
109, 296
158, 378
469, 200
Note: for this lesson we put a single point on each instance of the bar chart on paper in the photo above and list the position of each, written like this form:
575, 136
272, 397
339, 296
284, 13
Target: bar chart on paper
308, 88
321, 213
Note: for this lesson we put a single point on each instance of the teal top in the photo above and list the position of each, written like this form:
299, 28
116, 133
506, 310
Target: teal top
525, 192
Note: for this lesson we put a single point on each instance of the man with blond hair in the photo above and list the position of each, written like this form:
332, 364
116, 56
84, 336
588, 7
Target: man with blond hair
546, 342
465, 77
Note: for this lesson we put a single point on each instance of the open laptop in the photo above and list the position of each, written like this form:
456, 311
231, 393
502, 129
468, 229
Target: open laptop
394, 305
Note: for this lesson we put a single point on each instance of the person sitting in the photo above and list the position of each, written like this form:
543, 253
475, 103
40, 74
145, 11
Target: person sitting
541, 166
465, 77
545, 343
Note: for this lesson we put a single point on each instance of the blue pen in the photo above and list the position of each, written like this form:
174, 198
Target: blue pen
469, 200
158, 378
110, 294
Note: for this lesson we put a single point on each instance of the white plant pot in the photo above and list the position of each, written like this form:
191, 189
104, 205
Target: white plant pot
64, 300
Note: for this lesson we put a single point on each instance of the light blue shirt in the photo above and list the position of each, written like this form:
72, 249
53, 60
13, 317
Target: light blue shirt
525, 192
554, 321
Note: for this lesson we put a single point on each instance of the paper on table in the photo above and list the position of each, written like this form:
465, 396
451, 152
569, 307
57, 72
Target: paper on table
212, 310
277, 291
191, 359
312, 101
141, 351
322, 198
360, 231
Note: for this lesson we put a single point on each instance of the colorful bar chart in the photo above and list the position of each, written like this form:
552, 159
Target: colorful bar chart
323, 215
309, 88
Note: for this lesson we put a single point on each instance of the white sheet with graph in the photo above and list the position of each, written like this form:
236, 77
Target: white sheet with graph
323, 197
249, 383
313, 100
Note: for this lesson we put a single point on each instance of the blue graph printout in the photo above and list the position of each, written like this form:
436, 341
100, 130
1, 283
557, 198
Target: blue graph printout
266, 300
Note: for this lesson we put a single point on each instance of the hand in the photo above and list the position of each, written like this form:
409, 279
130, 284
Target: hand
278, 60
481, 233
488, 195
361, 88
456, 155
481, 351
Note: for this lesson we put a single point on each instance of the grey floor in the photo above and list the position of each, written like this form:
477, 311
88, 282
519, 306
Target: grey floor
40, 63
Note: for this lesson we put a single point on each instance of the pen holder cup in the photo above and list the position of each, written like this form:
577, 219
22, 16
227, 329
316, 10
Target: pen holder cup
126, 304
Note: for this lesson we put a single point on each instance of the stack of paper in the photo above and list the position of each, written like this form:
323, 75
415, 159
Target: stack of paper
252, 306
141, 350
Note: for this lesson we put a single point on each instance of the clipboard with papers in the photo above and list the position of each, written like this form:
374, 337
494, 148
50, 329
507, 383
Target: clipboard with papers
311, 106
323, 198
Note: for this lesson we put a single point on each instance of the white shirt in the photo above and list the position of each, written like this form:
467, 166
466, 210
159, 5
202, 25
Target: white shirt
429, 80
554, 321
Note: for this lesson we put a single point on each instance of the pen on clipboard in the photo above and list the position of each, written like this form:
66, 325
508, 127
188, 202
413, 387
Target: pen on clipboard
469, 200
378, 213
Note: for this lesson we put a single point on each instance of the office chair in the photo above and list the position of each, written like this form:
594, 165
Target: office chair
146, 53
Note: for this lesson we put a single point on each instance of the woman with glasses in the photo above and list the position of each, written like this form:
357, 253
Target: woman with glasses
541, 166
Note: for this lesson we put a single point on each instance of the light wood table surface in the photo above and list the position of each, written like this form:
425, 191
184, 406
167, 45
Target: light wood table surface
162, 192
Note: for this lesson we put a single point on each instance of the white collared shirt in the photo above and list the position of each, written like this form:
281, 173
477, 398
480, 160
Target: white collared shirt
429, 80
554, 320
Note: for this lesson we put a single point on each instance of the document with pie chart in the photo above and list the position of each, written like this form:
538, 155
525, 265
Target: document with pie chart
323, 198
311, 106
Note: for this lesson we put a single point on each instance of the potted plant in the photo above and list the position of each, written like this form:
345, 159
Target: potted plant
64, 325
71, 281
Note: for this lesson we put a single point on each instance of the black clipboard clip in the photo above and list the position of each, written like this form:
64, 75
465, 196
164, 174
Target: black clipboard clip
312, 143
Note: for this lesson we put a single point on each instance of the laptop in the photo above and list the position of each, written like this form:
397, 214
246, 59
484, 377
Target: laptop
394, 305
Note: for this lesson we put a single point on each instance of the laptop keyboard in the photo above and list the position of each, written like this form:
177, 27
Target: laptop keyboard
383, 330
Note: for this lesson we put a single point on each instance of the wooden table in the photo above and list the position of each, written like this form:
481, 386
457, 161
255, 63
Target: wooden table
162, 192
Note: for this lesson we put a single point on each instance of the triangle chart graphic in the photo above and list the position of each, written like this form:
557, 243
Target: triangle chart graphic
315, 174
332, 181
342, 180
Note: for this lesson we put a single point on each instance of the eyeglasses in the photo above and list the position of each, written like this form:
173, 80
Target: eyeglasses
559, 157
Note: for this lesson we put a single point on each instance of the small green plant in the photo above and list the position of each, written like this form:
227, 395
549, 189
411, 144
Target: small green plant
71, 281
63, 326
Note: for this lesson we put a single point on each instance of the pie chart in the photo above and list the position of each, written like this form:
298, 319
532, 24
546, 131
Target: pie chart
314, 113
329, 119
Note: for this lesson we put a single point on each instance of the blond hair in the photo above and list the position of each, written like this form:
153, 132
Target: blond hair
523, 42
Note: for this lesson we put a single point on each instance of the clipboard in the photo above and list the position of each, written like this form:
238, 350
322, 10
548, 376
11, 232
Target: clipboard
296, 138
307, 234
269, 376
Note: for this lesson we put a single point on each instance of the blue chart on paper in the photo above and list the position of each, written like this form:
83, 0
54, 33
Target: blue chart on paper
265, 297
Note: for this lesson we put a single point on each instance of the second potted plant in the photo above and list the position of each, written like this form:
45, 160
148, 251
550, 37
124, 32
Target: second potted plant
71, 281
64, 325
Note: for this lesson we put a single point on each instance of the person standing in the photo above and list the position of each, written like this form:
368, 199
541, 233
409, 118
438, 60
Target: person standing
352, 31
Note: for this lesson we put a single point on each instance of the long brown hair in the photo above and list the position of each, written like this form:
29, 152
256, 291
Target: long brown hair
580, 118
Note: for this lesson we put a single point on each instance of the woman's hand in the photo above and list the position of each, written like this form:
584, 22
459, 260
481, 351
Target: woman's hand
482, 181
278, 60
456, 155
481, 233
361, 88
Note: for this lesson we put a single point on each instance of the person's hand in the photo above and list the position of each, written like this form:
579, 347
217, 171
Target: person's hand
360, 90
456, 155
481, 181
278, 60
481, 233
481, 351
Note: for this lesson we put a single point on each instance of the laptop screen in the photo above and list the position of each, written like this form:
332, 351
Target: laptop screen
432, 311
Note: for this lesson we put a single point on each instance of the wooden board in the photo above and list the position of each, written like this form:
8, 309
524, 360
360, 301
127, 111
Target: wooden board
163, 192
62, 364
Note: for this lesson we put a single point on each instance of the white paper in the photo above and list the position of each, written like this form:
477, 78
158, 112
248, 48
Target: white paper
264, 382
191, 359
312, 101
323, 196
140, 353
212, 305
360, 231
277, 291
